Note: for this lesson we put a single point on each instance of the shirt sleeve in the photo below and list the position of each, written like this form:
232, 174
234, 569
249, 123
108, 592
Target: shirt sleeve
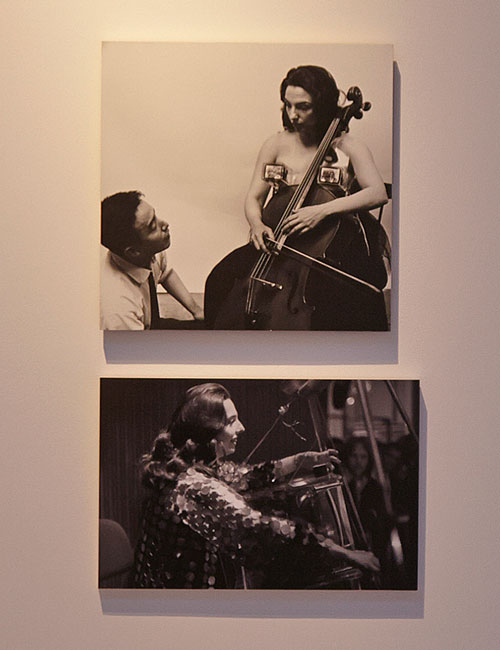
223, 517
124, 317
247, 478
218, 512
121, 322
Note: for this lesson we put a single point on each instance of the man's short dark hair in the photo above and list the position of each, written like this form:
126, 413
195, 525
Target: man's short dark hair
118, 220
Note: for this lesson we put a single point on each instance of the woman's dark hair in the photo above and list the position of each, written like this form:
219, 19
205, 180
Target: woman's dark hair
320, 84
191, 435
359, 442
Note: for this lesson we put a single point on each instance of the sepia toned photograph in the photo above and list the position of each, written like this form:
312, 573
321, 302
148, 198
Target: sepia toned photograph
246, 186
258, 484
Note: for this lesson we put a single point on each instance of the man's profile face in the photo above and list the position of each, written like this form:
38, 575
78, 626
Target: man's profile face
152, 232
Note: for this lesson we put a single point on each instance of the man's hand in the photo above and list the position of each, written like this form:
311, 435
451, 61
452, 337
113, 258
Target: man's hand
198, 313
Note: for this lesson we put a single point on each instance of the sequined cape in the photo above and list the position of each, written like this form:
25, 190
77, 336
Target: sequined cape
200, 530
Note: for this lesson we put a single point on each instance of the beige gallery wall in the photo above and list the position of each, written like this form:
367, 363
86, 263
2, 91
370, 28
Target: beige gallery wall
446, 333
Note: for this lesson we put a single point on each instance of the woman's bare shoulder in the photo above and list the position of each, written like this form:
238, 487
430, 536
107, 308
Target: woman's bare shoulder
273, 145
351, 145
277, 140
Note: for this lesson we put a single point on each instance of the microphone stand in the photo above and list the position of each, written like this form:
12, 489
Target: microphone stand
282, 411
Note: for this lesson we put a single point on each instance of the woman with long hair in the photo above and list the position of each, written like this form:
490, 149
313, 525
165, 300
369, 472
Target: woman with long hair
310, 101
199, 528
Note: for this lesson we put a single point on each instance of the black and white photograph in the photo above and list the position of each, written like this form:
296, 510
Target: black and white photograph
246, 186
299, 484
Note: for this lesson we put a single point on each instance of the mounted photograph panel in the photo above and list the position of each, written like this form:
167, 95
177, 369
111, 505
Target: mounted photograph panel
258, 484
214, 137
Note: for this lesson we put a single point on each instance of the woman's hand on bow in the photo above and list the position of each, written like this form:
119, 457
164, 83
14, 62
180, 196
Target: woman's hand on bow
258, 234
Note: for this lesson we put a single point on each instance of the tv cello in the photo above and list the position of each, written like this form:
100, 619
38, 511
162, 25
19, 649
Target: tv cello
268, 290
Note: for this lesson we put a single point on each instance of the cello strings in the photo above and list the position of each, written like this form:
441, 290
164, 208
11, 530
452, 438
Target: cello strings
264, 263
306, 182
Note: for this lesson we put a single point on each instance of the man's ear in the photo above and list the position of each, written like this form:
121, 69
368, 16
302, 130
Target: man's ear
131, 253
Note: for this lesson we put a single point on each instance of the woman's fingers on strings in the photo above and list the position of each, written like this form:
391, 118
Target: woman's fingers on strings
295, 223
297, 228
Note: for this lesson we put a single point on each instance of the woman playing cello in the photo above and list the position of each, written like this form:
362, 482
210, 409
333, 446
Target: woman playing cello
310, 103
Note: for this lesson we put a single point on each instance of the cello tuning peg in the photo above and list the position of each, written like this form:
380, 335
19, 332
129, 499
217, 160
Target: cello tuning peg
367, 106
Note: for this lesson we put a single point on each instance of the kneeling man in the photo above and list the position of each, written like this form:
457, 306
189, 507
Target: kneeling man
135, 263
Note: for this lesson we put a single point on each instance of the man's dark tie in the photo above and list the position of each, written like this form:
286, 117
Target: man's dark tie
155, 311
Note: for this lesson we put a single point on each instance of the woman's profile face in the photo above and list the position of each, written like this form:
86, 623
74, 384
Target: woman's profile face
358, 461
228, 437
299, 107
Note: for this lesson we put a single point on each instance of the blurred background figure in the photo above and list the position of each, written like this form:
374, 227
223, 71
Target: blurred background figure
367, 494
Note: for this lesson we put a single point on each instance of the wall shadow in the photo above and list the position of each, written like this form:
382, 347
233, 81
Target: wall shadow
264, 604
249, 348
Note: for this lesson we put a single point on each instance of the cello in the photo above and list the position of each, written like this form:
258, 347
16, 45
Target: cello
271, 290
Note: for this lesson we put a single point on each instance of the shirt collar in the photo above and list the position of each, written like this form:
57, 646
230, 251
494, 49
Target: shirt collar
137, 273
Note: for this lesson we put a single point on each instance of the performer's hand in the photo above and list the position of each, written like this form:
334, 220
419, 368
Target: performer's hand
304, 219
364, 559
307, 460
198, 313
258, 233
